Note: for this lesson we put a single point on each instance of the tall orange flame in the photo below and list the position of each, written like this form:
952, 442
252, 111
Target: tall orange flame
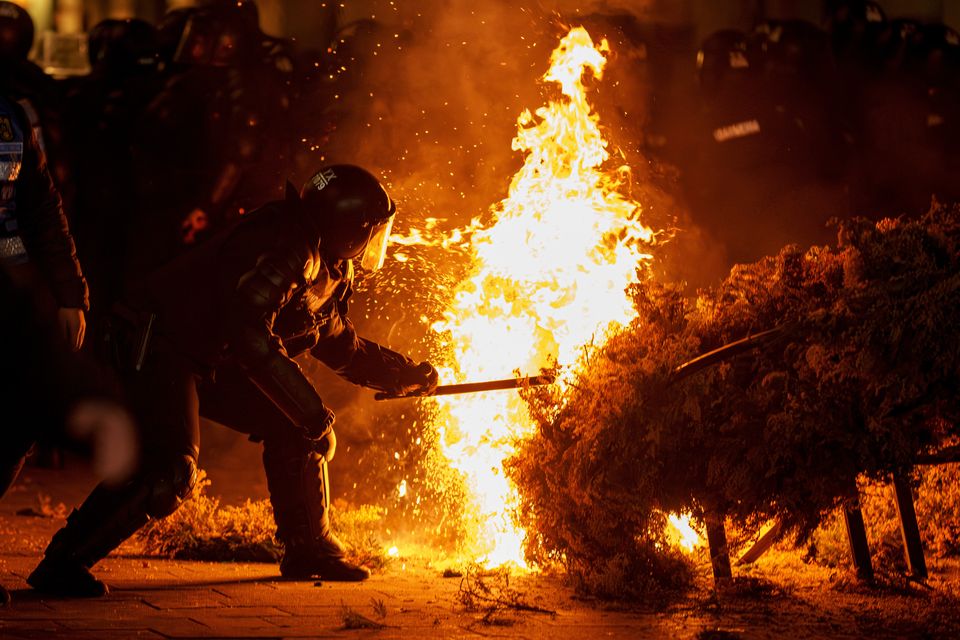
549, 276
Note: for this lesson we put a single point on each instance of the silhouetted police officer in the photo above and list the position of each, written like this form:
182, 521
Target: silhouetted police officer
37, 261
755, 181
101, 113
216, 131
899, 158
35, 238
25, 82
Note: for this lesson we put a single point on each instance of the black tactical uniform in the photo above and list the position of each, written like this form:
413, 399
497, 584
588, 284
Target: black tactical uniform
44, 385
41, 380
225, 321
801, 78
216, 130
899, 165
33, 227
765, 173
102, 110
731, 137
35, 244
37, 93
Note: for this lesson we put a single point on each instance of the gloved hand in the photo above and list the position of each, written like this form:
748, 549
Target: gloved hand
417, 380
320, 425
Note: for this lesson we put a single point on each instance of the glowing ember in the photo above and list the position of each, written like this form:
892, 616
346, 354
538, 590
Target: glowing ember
549, 277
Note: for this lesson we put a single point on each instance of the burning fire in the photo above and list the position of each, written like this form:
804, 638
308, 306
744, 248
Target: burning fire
549, 276
682, 533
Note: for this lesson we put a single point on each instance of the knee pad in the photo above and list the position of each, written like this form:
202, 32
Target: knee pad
327, 445
292, 445
171, 486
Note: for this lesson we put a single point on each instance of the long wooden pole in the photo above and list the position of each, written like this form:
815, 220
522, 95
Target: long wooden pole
476, 387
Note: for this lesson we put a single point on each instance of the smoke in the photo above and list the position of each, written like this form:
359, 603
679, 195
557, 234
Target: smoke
435, 105
432, 96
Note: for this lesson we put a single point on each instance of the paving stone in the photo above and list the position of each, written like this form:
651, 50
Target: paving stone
69, 609
72, 634
33, 628
190, 628
107, 625
255, 611
191, 599
159, 599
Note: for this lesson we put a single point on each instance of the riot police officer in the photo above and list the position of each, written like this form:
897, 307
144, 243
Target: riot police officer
53, 397
853, 26
37, 255
213, 333
731, 138
800, 77
25, 82
216, 130
35, 240
102, 109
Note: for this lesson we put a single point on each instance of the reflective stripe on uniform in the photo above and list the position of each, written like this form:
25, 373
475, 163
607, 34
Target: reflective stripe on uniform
12, 250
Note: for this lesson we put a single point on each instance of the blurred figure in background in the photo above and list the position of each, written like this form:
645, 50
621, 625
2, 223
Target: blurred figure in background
216, 134
38, 94
897, 165
35, 240
101, 112
767, 166
43, 299
52, 398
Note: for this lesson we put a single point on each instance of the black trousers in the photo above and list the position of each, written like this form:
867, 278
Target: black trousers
168, 398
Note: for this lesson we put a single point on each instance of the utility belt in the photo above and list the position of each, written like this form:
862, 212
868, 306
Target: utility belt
131, 337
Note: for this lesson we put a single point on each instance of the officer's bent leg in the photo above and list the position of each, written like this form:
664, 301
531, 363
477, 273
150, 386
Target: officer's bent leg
164, 398
297, 477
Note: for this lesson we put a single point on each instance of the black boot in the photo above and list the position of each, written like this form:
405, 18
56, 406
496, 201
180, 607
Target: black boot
105, 519
319, 557
58, 577
300, 495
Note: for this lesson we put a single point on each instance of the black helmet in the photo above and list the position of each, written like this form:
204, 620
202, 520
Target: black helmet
902, 46
246, 9
170, 31
942, 52
795, 46
353, 212
123, 46
16, 32
217, 37
724, 53
851, 18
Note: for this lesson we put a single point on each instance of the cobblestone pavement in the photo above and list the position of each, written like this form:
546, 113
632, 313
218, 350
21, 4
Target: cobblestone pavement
153, 598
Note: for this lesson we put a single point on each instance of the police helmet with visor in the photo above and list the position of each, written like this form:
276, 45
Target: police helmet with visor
353, 213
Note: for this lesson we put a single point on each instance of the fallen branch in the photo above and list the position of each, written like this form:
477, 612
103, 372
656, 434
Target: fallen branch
490, 593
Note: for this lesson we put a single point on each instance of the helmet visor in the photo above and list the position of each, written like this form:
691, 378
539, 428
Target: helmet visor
376, 250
